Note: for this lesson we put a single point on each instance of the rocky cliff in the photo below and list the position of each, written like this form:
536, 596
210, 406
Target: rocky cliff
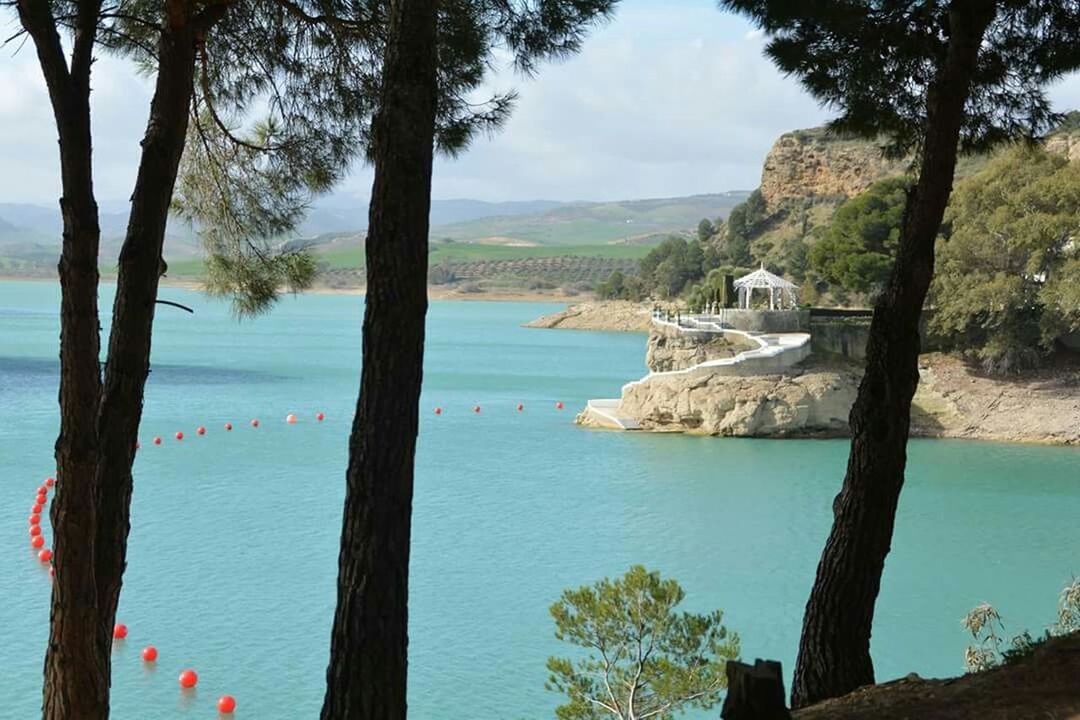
810, 401
669, 350
812, 164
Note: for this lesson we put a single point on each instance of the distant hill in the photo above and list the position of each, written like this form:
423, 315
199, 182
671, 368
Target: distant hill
628, 221
30, 234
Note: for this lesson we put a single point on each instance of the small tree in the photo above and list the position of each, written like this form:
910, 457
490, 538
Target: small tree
645, 660
856, 251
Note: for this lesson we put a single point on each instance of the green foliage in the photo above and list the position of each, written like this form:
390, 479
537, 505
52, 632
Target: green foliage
641, 658
984, 623
743, 222
1008, 273
875, 62
619, 286
705, 230
858, 247
671, 265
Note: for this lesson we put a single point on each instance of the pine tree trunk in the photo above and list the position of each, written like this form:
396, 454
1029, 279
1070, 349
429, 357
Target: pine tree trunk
834, 651
366, 677
76, 679
128, 362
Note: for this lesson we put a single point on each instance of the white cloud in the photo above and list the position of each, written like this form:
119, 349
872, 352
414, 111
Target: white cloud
668, 99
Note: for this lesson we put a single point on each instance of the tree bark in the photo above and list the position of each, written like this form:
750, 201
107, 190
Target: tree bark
834, 651
366, 677
76, 679
128, 363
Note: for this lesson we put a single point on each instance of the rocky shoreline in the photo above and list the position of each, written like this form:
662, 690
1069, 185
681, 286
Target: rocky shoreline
605, 315
814, 398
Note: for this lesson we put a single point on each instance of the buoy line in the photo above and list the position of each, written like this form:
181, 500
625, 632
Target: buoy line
188, 678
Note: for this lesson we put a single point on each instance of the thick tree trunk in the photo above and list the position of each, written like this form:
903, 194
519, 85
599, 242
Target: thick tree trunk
366, 677
834, 651
133, 310
76, 679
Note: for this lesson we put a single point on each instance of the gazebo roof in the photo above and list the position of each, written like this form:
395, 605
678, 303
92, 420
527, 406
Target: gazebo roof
762, 278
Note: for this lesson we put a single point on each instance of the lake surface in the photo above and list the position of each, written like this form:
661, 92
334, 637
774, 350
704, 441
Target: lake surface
234, 536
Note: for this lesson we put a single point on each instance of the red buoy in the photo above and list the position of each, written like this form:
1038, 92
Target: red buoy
559, 405
200, 430
41, 499
35, 530
35, 509
319, 416
226, 704
157, 440
255, 422
35, 519
119, 631
438, 411
476, 409
42, 490
49, 482
45, 555
37, 541
179, 435
520, 407
149, 653
52, 571
291, 419
138, 444
228, 426
188, 679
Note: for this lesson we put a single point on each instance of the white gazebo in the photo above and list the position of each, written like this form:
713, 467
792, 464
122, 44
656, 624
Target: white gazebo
783, 295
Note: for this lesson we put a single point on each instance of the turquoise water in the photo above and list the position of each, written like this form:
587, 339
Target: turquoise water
234, 540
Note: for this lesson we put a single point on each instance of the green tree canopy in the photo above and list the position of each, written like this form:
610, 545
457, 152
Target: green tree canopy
1008, 274
858, 247
644, 659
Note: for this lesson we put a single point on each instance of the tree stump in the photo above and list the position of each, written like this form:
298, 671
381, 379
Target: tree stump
755, 692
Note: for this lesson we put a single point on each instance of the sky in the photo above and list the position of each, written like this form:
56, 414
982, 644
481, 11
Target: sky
670, 98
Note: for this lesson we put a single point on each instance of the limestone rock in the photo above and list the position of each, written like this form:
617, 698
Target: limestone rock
808, 402
814, 164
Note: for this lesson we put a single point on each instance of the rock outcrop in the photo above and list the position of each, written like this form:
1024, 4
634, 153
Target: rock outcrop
612, 315
811, 401
807, 164
668, 350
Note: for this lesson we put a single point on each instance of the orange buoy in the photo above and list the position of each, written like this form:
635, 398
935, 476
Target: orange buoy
41, 499
200, 430
45, 555
37, 541
438, 411
291, 419
35, 530
520, 407
119, 631
559, 405
35, 518
179, 435
157, 440
228, 426
319, 416
188, 679
226, 704
49, 482
35, 509
149, 653
476, 409
42, 490
255, 422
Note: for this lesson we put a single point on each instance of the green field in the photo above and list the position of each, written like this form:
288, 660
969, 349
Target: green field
353, 257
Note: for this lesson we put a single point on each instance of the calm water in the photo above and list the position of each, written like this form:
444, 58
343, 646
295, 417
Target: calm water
234, 538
